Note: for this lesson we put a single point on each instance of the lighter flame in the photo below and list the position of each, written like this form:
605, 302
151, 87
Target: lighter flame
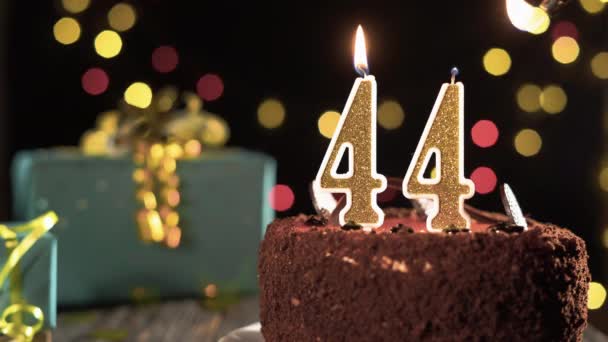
527, 17
360, 52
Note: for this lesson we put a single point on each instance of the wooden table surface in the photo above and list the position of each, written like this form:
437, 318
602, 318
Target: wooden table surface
185, 320
172, 321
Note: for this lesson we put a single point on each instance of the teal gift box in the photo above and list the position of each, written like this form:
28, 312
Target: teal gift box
36, 277
223, 213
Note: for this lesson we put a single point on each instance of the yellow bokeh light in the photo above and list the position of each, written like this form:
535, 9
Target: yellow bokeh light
271, 113
122, 17
497, 61
605, 237
66, 30
553, 99
327, 123
390, 114
528, 142
565, 50
75, 6
592, 6
527, 17
108, 44
138, 95
599, 65
528, 97
597, 295
603, 179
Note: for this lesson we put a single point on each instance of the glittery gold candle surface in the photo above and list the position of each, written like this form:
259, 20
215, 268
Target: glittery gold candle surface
444, 137
355, 137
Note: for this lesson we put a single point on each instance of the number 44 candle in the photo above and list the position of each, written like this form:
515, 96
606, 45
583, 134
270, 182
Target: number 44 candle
355, 136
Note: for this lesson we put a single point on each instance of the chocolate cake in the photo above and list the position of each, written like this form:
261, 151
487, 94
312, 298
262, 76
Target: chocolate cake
323, 282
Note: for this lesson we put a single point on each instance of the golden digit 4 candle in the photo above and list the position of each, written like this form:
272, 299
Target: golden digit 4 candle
443, 137
355, 136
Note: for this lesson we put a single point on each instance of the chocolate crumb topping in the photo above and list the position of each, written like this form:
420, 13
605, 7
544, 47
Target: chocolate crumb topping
397, 228
454, 230
316, 220
506, 227
350, 225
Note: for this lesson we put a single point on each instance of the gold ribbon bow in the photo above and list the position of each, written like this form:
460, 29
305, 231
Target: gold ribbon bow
12, 323
158, 136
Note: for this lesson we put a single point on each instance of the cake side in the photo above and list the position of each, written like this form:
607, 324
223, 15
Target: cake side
323, 283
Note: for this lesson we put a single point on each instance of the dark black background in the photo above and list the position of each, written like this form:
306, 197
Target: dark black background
301, 53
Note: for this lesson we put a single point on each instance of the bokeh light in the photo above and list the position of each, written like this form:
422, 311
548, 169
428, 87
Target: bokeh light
122, 17
210, 87
592, 6
528, 97
271, 113
497, 61
139, 95
565, 50
597, 295
553, 99
390, 114
108, 44
66, 30
281, 197
603, 179
484, 133
484, 179
526, 17
599, 65
564, 29
327, 123
75, 6
165, 59
528, 142
95, 81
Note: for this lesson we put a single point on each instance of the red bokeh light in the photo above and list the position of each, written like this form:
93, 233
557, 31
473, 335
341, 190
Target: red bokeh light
95, 81
281, 197
165, 59
210, 87
484, 133
564, 29
484, 179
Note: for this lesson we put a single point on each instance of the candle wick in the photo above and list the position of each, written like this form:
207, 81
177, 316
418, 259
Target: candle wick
454, 73
361, 70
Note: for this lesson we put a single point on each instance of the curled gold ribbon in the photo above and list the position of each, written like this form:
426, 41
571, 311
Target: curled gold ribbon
12, 323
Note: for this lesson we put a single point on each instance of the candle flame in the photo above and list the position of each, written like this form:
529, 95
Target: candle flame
526, 17
360, 57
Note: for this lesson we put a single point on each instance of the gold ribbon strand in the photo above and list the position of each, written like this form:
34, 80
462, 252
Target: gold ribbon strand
12, 323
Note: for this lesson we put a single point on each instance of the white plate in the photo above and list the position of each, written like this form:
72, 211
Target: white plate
250, 333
